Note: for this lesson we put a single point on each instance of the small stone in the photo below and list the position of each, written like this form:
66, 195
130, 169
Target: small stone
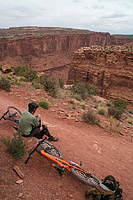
19, 181
71, 196
20, 195
18, 171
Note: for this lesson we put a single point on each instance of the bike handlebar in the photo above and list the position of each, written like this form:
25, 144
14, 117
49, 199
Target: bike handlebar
4, 115
35, 149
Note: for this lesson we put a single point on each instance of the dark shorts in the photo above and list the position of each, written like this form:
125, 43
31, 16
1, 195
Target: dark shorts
35, 132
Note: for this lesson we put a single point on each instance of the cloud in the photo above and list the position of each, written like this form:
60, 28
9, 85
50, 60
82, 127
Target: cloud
96, 15
116, 15
76, 1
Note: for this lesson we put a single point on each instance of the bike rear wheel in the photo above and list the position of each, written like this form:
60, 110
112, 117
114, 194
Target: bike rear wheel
51, 149
84, 177
14, 114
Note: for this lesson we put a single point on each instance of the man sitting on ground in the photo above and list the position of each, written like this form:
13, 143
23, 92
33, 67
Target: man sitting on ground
30, 125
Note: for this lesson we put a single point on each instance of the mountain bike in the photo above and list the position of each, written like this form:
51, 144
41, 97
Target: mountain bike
51, 152
12, 114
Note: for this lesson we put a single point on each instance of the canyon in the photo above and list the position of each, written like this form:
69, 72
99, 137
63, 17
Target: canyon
109, 69
72, 54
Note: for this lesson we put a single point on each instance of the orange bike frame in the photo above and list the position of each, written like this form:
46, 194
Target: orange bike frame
62, 163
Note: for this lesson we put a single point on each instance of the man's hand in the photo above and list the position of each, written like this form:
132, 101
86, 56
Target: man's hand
37, 115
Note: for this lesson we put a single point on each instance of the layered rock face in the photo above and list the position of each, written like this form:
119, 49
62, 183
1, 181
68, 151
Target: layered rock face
44, 48
109, 69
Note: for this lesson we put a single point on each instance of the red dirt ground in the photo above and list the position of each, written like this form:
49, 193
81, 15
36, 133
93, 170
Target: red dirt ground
101, 153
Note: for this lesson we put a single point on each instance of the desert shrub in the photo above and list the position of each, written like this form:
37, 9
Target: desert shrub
117, 108
115, 111
1, 67
108, 104
111, 119
49, 85
84, 90
77, 97
36, 84
91, 90
130, 122
61, 83
83, 106
16, 146
79, 88
9, 77
73, 107
131, 112
44, 104
120, 103
89, 118
4, 84
22, 79
101, 111
71, 101
29, 74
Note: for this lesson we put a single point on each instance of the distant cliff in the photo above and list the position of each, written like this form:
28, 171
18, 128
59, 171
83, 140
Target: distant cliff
44, 48
109, 69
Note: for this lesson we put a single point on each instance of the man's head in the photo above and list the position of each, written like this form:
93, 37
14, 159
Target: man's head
32, 107
110, 182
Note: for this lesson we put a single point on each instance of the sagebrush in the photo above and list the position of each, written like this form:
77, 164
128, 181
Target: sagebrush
5, 84
16, 146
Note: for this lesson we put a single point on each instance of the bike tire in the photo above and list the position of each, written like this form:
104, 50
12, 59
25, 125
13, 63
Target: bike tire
52, 149
82, 176
11, 110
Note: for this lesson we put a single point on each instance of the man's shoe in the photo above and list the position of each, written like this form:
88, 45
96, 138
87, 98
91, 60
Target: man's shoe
53, 138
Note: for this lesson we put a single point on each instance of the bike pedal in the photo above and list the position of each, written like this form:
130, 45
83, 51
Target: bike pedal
59, 169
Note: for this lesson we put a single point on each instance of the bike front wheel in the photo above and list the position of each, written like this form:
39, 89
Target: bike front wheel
83, 176
51, 149
14, 114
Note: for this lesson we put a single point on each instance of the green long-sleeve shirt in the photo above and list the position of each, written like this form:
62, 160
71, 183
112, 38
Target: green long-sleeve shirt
27, 122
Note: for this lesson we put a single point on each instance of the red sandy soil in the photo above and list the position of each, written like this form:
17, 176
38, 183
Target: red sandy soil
100, 152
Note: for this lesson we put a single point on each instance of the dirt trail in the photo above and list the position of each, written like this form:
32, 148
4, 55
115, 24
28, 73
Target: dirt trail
100, 153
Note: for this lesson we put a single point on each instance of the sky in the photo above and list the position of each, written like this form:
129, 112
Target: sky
113, 16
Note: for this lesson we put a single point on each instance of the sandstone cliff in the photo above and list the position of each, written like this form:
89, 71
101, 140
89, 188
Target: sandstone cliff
44, 48
109, 69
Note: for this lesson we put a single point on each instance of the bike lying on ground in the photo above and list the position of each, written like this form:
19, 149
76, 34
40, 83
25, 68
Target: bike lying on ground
51, 152
12, 114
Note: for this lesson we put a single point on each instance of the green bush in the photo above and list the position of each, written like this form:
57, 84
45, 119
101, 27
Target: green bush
49, 85
61, 83
73, 107
115, 111
108, 104
83, 106
44, 104
84, 90
120, 103
4, 84
89, 118
130, 122
80, 89
71, 101
77, 97
29, 74
16, 146
36, 84
131, 112
9, 77
101, 111
91, 90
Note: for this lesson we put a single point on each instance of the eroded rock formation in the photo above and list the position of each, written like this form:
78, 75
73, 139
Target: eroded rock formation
44, 48
110, 69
